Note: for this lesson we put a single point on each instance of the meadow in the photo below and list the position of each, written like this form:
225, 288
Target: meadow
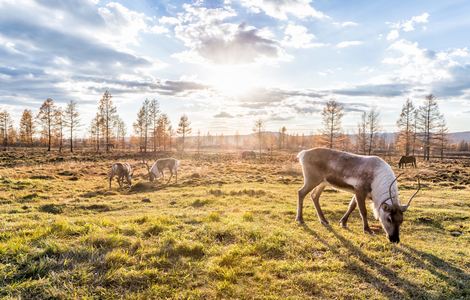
226, 230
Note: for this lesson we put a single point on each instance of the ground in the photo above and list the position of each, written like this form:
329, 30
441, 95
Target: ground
226, 230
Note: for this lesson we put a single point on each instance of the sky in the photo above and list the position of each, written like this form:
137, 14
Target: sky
226, 63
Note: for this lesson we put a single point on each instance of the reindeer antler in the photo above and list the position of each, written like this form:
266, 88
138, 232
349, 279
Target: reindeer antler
419, 187
391, 184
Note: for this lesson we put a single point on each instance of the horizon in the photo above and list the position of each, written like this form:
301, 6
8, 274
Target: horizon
227, 63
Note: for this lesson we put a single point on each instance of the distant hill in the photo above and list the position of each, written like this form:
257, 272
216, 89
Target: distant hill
456, 137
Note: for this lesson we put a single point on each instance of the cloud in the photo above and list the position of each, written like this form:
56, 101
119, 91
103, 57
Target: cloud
210, 39
297, 36
375, 90
223, 114
282, 9
347, 44
406, 26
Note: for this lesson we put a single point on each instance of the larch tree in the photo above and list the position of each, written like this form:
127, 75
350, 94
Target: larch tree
95, 131
428, 120
154, 115
406, 128
27, 127
332, 115
143, 124
258, 130
71, 120
183, 129
107, 112
46, 120
373, 129
361, 140
441, 138
6, 126
59, 127
121, 132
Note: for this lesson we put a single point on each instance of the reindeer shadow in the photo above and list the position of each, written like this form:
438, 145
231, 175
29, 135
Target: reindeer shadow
388, 281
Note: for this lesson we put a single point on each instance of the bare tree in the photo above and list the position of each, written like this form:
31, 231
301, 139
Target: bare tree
107, 112
428, 118
373, 128
362, 134
198, 141
441, 136
258, 129
6, 126
154, 115
46, 119
406, 128
143, 123
184, 128
282, 138
95, 131
332, 115
71, 120
59, 127
121, 132
27, 127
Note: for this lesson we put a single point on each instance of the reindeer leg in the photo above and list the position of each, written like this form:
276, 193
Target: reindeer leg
316, 201
351, 208
110, 179
361, 202
307, 188
171, 176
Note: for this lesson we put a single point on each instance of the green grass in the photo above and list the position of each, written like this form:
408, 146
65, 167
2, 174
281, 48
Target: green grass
219, 234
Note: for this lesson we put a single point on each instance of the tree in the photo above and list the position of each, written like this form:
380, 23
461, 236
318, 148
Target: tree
441, 136
198, 142
162, 130
406, 128
184, 129
71, 120
46, 119
154, 112
143, 123
332, 115
27, 127
95, 130
107, 114
373, 127
6, 127
282, 138
59, 127
362, 134
258, 129
428, 118
121, 132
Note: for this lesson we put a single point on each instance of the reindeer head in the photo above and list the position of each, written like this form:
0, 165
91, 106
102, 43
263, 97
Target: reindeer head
391, 215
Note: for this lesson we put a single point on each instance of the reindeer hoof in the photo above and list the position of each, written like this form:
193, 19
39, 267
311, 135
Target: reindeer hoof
325, 223
343, 224
299, 220
368, 231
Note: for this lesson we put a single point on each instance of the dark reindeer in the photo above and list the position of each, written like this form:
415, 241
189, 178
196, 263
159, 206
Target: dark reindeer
364, 176
404, 160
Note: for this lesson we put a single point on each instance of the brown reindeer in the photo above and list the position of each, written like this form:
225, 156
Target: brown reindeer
121, 171
404, 160
364, 176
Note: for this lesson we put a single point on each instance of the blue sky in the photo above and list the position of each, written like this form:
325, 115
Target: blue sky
227, 63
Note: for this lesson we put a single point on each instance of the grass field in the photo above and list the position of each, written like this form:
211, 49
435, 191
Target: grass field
225, 230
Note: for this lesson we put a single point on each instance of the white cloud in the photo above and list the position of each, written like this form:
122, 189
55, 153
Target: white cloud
297, 36
281, 9
393, 35
346, 44
406, 26
210, 38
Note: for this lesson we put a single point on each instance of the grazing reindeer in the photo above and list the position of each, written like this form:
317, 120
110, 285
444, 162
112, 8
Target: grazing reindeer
404, 160
248, 154
122, 171
156, 171
365, 176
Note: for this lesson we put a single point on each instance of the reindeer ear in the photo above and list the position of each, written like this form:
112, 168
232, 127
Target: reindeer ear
403, 208
386, 207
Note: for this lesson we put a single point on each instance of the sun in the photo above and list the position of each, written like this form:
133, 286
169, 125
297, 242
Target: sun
233, 80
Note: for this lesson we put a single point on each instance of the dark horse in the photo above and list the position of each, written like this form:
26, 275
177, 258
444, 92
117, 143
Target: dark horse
404, 160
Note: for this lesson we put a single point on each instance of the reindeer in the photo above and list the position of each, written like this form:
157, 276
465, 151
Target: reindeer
404, 160
122, 171
156, 171
364, 176
248, 154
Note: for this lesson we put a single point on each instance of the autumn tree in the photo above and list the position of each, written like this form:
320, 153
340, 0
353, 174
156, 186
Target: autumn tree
154, 115
71, 120
332, 114
121, 132
143, 123
27, 127
107, 113
406, 128
95, 131
6, 126
258, 130
163, 123
46, 120
183, 129
361, 140
373, 129
59, 127
282, 137
428, 120
441, 138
